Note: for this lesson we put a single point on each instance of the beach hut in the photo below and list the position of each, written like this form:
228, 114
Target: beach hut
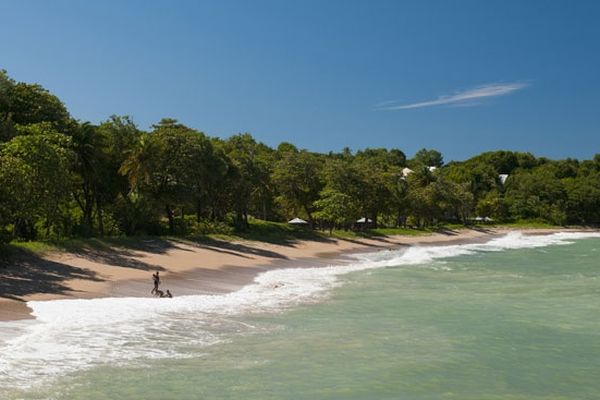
297, 221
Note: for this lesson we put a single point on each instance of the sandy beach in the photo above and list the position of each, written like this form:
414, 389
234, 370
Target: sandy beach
186, 267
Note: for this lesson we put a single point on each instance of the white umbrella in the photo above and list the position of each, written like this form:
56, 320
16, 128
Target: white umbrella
297, 221
364, 220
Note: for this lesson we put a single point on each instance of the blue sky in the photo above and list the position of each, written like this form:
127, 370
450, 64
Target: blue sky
458, 76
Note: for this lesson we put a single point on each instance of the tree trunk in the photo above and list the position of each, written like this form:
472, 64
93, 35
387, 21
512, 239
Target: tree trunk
310, 218
171, 218
100, 217
87, 206
130, 218
198, 211
24, 229
32, 233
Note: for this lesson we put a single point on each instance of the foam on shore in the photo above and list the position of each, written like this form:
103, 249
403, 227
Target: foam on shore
71, 335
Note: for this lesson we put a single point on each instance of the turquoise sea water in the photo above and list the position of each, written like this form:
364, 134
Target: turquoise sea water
518, 318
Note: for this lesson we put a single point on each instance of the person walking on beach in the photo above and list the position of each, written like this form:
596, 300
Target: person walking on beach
156, 280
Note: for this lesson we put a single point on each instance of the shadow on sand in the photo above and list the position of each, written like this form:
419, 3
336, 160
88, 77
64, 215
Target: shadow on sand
233, 248
23, 272
28, 274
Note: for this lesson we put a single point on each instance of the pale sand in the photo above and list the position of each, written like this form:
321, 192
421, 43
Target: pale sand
186, 267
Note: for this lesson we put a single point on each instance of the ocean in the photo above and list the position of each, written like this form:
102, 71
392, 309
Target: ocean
517, 317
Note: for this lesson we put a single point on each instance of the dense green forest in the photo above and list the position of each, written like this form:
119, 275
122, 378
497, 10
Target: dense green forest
60, 177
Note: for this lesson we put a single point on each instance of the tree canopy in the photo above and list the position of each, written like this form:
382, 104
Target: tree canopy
60, 177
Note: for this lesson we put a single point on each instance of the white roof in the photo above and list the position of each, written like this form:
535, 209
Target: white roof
432, 168
503, 178
363, 220
406, 171
297, 221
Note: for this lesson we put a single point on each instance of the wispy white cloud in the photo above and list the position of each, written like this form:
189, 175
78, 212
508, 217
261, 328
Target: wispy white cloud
465, 98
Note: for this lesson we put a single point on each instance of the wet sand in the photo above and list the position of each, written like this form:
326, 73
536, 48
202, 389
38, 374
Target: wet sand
186, 267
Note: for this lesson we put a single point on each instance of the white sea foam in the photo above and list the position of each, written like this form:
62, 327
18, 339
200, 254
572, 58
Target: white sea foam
70, 335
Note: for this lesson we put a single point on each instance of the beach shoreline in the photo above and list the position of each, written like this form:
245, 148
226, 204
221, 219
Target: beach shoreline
189, 268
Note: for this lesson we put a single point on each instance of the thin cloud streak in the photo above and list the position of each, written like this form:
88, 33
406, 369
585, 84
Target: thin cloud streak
465, 98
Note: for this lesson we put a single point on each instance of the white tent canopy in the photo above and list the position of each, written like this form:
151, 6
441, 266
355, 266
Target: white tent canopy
297, 221
364, 220
483, 219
